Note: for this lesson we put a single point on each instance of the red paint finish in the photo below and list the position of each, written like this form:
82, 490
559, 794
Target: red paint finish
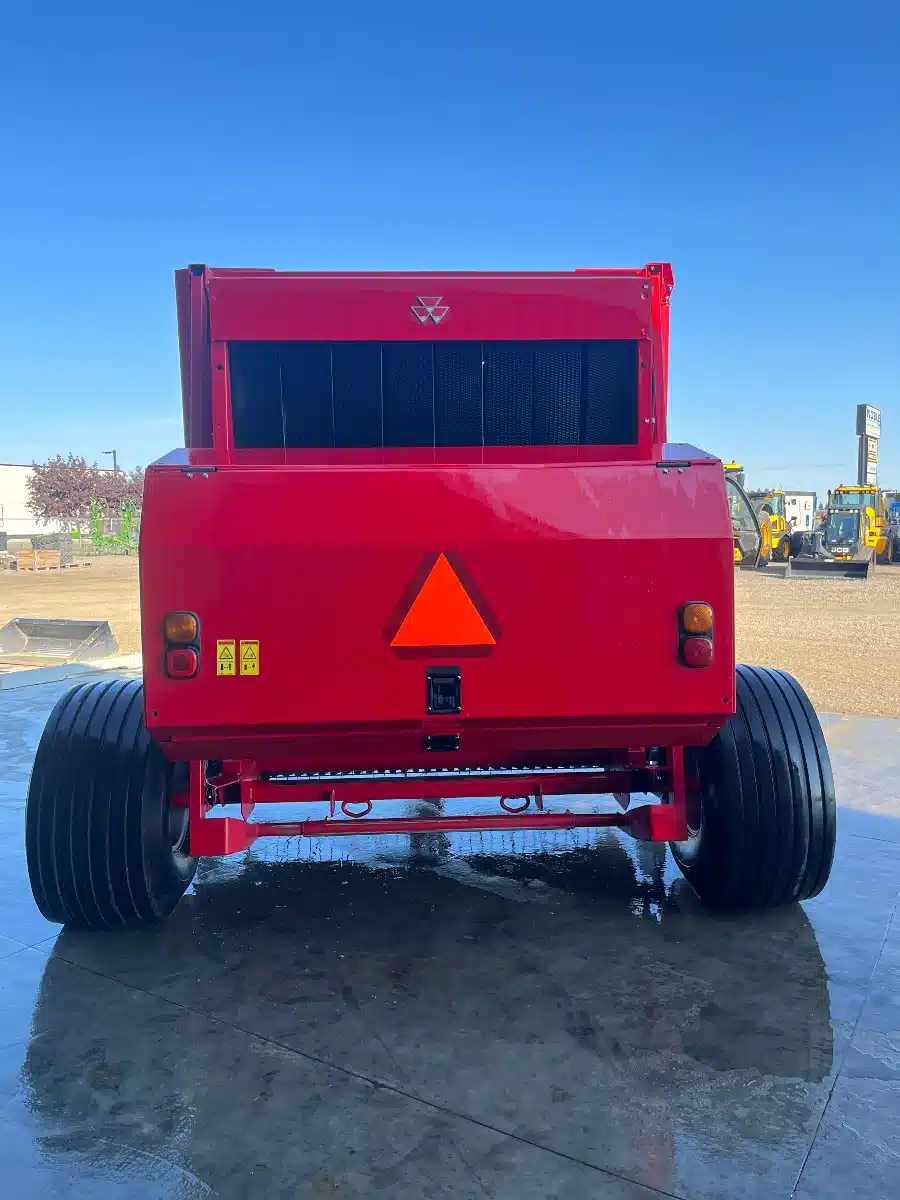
571, 567
567, 557
216, 306
444, 787
227, 835
523, 803
193, 335
288, 307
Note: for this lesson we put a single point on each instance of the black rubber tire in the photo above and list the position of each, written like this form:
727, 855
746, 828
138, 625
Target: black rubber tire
767, 813
102, 846
796, 544
783, 550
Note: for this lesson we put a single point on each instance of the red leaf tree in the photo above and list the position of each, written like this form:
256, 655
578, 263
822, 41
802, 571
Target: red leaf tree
63, 489
133, 487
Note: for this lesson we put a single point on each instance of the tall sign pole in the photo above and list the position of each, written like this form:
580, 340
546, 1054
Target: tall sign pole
868, 430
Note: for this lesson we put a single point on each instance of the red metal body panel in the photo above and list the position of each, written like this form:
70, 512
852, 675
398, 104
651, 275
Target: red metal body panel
563, 556
579, 560
193, 337
216, 306
348, 308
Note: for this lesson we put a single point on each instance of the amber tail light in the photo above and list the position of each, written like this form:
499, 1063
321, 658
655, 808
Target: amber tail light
695, 634
182, 633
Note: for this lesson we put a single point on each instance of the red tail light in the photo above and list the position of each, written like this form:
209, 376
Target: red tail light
696, 626
697, 651
181, 629
182, 663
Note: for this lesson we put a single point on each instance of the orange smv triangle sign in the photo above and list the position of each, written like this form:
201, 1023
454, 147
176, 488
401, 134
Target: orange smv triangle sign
442, 614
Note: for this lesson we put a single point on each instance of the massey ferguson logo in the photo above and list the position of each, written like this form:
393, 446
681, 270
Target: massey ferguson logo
427, 307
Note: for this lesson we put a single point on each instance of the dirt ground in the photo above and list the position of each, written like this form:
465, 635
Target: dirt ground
840, 638
107, 590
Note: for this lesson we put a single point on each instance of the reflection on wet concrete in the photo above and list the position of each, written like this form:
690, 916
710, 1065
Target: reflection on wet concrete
516, 1016
570, 998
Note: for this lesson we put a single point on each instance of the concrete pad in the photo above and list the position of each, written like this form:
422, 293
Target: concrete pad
37, 676
518, 1016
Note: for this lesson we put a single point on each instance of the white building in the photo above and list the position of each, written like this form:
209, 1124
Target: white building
16, 518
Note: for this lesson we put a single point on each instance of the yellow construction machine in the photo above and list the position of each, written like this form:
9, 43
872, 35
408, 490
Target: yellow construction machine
855, 534
778, 541
769, 506
874, 532
751, 535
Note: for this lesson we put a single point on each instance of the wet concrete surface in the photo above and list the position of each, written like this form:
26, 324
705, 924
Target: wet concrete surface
502, 1016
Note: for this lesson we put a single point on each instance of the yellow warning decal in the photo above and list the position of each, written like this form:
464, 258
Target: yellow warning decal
225, 657
249, 658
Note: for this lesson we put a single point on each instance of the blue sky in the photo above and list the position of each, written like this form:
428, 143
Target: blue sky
757, 149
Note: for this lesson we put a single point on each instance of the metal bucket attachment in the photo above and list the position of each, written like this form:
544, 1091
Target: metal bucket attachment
35, 638
824, 568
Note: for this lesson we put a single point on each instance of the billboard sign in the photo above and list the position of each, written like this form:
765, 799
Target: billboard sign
871, 460
868, 421
867, 463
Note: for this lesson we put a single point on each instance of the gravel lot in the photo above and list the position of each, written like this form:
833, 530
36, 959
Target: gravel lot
839, 637
107, 590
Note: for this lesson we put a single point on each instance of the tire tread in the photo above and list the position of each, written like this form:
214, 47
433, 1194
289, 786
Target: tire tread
96, 833
769, 827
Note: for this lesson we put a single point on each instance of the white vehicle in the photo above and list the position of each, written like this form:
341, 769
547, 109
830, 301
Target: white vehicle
800, 511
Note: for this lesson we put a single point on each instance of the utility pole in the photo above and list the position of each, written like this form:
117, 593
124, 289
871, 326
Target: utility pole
113, 453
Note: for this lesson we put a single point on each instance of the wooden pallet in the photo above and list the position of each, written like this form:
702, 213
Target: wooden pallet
42, 560
38, 560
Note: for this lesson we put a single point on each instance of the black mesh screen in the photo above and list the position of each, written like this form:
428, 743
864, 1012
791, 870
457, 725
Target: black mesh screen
341, 394
458, 417
558, 377
407, 390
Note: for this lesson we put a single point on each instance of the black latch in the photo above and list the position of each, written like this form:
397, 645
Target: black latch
443, 690
442, 743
